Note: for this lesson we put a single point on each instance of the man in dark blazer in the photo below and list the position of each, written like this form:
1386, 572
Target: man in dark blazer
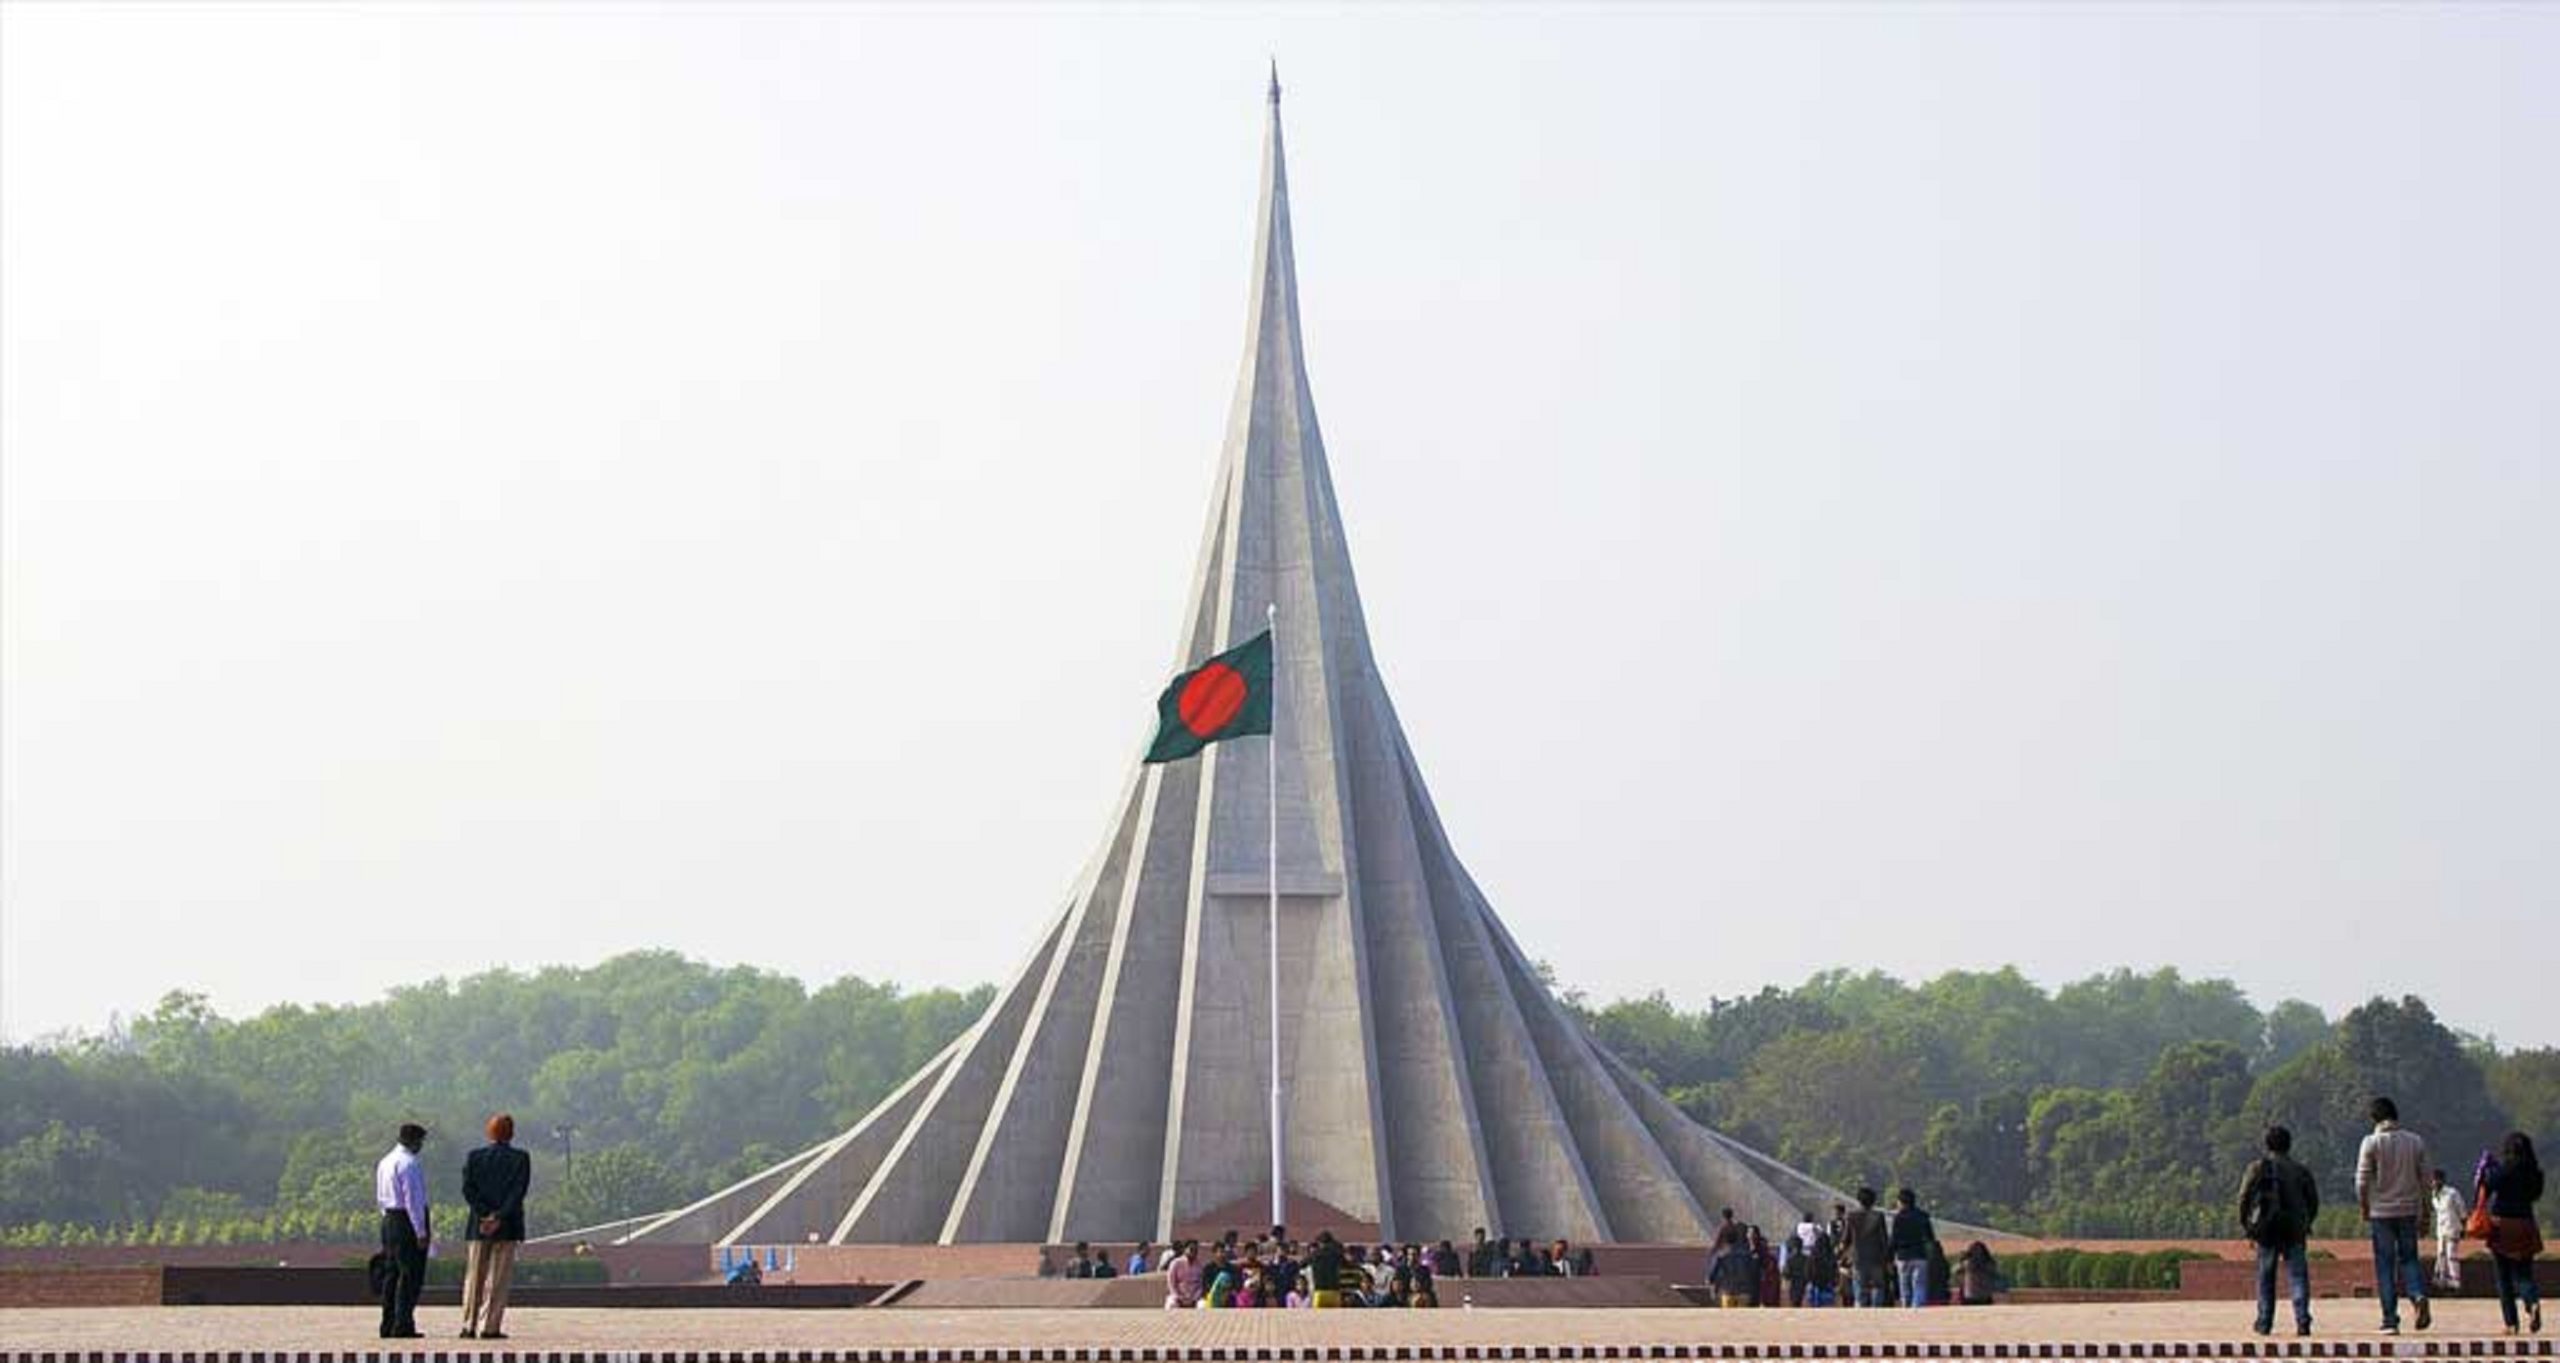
495, 1178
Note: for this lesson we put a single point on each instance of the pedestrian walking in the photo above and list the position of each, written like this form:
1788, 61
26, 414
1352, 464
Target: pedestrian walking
2391, 1192
2278, 1201
2449, 1209
2511, 1183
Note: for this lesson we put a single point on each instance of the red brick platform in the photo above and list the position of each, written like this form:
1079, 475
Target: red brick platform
2148, 1331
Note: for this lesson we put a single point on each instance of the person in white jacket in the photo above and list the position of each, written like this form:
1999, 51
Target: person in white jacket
2450, 1209
2391, 1193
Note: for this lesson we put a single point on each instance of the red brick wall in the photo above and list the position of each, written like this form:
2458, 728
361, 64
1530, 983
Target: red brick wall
2344, 1276
84, 1287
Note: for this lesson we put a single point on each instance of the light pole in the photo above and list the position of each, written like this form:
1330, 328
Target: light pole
568, 1150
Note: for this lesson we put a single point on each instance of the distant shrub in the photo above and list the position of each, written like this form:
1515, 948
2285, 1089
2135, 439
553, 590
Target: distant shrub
2098, 1271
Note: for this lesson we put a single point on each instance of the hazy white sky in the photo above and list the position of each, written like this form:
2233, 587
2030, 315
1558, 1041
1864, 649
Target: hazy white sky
1905, 487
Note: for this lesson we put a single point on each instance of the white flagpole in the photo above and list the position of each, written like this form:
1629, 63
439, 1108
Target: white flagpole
1271, 619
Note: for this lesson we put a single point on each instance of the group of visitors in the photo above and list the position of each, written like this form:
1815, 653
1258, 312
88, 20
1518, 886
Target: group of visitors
2395, 1188
1273, 1270
1865, 1257
495, 1179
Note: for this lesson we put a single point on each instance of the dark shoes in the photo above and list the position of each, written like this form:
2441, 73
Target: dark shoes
2262, 1327
2533, 1316
2425, 1317
470, 1334
494, 1334
2304, 1329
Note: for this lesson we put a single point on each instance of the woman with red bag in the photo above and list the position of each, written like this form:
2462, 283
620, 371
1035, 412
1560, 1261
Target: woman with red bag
2510, 1183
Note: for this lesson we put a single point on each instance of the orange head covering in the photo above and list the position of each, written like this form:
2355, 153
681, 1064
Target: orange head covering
502, 1127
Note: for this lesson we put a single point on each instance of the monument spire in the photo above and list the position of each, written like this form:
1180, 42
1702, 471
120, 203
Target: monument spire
1119, 1084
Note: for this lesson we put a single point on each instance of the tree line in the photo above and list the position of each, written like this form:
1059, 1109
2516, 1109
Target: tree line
670, 1078
2124, 1104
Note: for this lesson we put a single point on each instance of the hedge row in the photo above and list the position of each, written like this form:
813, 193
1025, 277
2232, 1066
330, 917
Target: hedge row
2098, 1271
282, 1228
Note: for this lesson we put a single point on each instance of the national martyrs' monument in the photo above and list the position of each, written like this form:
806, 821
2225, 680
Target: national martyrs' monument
1121, 1084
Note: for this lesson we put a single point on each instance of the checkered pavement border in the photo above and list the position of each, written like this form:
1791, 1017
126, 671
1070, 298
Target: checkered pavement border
1355, 1353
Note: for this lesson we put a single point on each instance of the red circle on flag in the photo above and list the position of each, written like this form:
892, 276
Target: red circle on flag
1210, 700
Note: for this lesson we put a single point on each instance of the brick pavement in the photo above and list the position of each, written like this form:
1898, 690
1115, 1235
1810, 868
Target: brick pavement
2149, 1330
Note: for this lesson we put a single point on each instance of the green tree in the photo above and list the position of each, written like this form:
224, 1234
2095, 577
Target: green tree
65, 1173
2111, 1027
2321, 1098
610, 1184
2401, 1051
1976, 1158
2292, 1028
2526, 1087
2185, 1119
1847, 1106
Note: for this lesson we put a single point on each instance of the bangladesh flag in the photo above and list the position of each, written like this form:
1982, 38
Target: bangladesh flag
1228, 696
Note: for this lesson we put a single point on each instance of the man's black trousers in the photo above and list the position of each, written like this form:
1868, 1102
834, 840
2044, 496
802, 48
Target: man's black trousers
408, 1274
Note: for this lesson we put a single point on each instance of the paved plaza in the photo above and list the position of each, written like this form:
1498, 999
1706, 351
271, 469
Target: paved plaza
2136, 1329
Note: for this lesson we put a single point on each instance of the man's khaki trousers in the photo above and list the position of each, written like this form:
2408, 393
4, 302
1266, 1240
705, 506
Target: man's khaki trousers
484, 1285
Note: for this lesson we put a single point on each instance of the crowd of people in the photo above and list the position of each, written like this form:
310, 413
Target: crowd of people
1862, 1257
1273, 1270
2397, 1190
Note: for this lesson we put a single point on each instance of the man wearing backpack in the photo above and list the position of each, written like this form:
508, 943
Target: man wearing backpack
2278, 1201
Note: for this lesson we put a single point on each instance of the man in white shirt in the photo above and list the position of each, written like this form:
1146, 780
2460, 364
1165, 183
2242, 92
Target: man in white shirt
2449, 1210
400, 1190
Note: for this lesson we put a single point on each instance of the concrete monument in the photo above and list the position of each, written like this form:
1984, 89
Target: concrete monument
1120, 1084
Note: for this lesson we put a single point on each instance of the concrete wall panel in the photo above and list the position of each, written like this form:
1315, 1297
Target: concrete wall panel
813, 1200
910, 1196
1541, 1187
707, 1220
1643, 1197
1110, 1185
1010, 1191
1437, 1186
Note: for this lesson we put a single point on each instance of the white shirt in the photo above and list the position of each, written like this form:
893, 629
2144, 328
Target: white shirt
400, 1184
2450, 1209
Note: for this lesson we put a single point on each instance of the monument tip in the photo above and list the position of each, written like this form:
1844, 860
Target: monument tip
1275, 80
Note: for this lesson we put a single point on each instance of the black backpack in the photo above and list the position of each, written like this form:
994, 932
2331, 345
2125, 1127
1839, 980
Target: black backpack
2272, 1213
